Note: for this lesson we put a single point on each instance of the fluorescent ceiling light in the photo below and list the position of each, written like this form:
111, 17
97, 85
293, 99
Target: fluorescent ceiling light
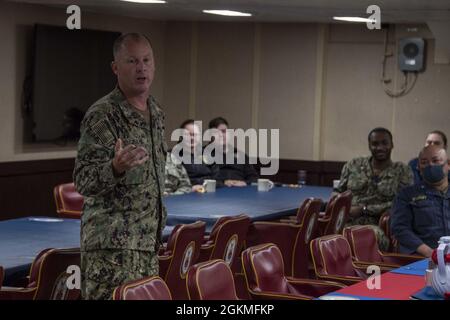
228, 13
354, 19
145, 1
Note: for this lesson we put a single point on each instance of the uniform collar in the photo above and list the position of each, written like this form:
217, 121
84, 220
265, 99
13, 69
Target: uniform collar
132, 116
431, 191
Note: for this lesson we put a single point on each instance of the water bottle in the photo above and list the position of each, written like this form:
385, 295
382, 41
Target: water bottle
301, 177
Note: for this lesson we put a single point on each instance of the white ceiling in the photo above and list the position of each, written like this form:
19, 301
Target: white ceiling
392, 11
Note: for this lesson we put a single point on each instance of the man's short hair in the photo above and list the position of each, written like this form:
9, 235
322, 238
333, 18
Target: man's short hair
117, 46
187, 122
380, 130
443, 136
214, 123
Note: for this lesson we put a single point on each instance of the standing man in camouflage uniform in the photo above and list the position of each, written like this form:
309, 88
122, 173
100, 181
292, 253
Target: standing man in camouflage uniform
119, 170
374, 182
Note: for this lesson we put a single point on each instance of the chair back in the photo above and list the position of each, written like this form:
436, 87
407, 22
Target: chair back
332, 256
264, 269
339, 213
363, 243
69, 203
227, 238
211, 280
48, 274
309, 226
149, 288
183, 249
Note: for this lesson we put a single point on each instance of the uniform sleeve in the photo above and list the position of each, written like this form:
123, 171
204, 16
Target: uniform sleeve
185, 184
378, 208
177, 180
345, 173
407, 178
401, 224
93, 173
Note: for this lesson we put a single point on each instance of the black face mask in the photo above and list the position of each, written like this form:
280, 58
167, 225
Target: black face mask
433, 173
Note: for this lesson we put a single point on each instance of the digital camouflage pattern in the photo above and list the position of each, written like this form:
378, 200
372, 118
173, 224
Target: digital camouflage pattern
126, 212
177, 179
375, 192
104, 270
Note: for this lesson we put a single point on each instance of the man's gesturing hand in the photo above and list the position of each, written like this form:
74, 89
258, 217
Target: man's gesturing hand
127, 157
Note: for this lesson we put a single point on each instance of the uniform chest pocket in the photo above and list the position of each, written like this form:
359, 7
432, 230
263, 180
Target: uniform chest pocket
387, 189
357, 183
424, 213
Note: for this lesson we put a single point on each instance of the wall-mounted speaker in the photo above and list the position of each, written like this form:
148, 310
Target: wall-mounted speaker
411, 52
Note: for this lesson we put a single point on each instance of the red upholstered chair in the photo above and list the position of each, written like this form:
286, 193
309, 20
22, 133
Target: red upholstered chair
211, 280
301, 259
332, 260
264, 272
292, 237
48, 276
226, 240
300, 212
180, 252
384, 224
364, 245
336, 214
282, 234
324, 217
149, 288
69, 203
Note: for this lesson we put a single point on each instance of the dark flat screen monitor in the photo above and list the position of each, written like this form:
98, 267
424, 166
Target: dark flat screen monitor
71, 70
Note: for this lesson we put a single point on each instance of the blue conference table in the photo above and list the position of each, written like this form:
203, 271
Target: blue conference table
22, 239
208, 207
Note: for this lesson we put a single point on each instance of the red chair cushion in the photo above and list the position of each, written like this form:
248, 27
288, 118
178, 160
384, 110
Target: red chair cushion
150, 288
211, 280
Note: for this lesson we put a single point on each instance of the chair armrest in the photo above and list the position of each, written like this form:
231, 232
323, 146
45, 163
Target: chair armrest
289, 218
269, 295
12, 293
384, 267
314, 288
400, 259
346, 280
293, 221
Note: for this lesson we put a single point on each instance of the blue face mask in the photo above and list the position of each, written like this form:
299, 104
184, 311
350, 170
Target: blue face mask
433, 174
